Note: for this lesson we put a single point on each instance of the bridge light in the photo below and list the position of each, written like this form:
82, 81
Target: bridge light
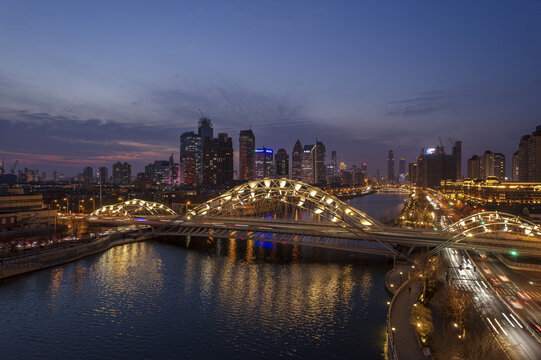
318, 211
348, 210
514, 253
297, 187
313, 193
328, 201
334, 219
267, 183
282, 183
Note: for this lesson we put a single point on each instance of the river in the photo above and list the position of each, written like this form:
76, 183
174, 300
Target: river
203, 300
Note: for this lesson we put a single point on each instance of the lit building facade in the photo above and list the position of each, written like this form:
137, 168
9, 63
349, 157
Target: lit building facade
318, 163
246, 155
296, 161
281, 163
307, 174
263, 163
390, 167
493, 193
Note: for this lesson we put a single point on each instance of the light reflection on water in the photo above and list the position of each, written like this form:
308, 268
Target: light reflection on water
225, 298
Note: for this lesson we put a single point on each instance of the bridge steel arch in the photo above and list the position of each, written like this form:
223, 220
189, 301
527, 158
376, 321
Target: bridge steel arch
292, 192
132, 208
299, 195
487, 222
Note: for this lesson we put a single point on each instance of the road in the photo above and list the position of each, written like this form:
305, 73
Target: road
497, 301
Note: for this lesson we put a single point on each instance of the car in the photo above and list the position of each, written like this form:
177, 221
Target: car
523, 295
487, 270
515, 303
482, 255
503, 278
537, 328
495, 281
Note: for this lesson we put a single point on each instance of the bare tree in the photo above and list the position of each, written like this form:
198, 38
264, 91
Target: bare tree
421, 320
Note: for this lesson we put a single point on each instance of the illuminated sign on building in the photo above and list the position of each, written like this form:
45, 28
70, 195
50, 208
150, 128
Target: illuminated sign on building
430, 151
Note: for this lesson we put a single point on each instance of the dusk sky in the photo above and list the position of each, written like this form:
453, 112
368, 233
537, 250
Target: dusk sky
87, 83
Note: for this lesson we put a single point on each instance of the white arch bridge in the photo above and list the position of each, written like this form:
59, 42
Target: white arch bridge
240, 214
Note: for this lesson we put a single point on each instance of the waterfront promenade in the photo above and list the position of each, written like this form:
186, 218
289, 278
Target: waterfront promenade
404, 344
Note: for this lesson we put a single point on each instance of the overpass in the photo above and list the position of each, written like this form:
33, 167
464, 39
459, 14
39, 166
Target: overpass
240, 214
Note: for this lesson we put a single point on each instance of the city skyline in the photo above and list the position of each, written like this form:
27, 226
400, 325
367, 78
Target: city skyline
70, 97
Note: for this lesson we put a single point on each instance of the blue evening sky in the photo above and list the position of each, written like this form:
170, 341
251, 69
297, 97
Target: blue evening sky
89, 82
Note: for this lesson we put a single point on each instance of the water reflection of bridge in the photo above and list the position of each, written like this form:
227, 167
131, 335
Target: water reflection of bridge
240, 214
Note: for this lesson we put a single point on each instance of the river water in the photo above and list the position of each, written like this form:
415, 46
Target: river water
203, 300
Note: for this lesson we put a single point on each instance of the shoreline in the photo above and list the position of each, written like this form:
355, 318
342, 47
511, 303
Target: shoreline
68, 255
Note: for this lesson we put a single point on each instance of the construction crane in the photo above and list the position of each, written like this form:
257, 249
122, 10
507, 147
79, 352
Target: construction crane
203, 115
12, 169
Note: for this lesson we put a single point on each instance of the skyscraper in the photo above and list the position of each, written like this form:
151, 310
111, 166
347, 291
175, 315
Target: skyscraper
103, 175
402, 166
474, 167
246, 155
204, 129
281, 163
523, 158
190, 146
121, 173
88, 174
334, 164
263, 163
433, 166
307, 173
218, 160
390, 168
457, 152
364, 169
318, 163
296, 161
515, 167
492, 164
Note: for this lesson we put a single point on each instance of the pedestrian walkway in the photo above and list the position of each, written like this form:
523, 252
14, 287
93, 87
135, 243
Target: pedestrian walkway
405, 340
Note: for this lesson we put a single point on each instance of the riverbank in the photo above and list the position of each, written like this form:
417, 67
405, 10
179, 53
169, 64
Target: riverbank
402, 342
55, 257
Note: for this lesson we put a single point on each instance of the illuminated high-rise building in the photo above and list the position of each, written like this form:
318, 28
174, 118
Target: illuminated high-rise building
296, 161
218, 160
457, 152
529, 157
88, 174
263, 163
246, 155
390, 167
492, 164
364, 169
515, 167
307, 173
474, 167
190, 146
121, 173
205, 130
334, 164
281, 163
318, 163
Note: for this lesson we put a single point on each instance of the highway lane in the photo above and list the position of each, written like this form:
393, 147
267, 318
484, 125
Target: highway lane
508, 325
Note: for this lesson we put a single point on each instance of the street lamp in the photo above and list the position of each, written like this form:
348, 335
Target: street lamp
514, 253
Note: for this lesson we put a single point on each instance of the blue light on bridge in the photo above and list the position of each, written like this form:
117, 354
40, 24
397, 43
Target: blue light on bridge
140, 219
264, 244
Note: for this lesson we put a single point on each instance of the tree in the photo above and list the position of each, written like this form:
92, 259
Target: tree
421, 320
457, 303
